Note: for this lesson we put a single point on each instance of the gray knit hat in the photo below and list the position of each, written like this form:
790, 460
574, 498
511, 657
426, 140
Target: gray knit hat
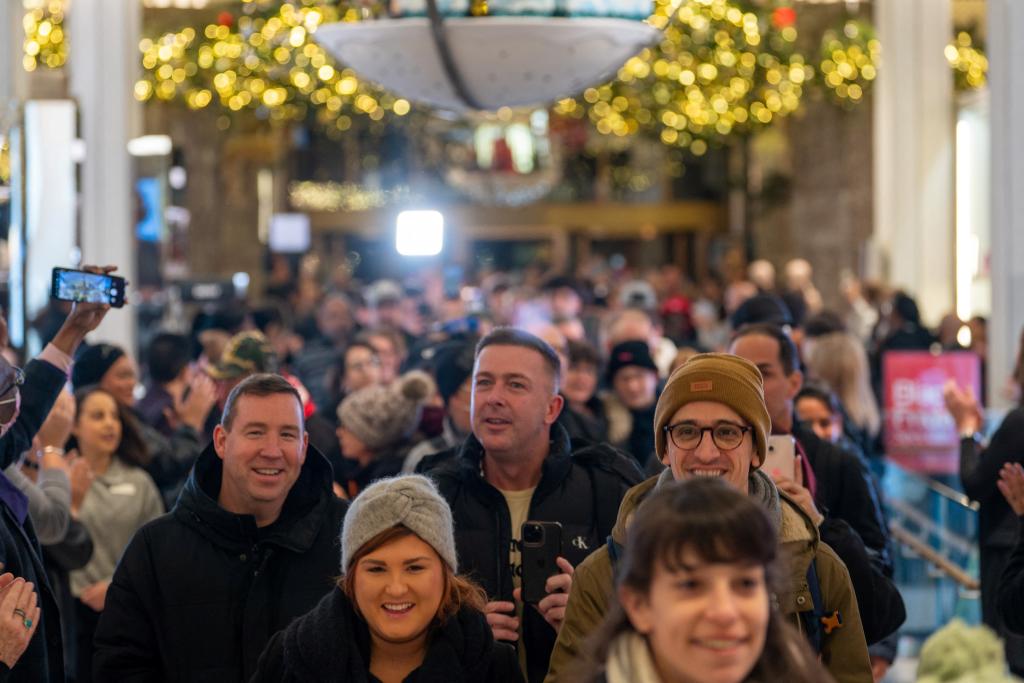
411, 501
382, 416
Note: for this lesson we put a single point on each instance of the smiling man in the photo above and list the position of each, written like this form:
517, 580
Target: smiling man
518, 465
250, 545
711, 421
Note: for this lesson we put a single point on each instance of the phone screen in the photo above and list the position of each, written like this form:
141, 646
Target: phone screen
93, 288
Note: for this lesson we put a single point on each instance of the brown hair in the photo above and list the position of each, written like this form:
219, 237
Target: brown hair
262, 384
460, 593
132, 449
720, 525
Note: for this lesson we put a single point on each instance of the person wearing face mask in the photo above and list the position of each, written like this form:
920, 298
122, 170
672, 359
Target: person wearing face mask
695, 601
711, 422
112, 496
400, 613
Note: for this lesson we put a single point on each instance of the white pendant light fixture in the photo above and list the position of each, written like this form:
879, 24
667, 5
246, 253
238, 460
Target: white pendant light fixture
485, 63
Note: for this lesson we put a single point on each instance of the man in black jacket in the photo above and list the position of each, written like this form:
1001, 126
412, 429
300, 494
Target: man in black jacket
518, 465
251, 544
843, 488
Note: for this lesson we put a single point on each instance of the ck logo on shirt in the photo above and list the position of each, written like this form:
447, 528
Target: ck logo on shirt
580, 543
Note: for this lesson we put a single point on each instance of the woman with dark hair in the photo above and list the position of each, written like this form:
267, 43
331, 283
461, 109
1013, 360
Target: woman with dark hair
111, 495
399, 613
695, 589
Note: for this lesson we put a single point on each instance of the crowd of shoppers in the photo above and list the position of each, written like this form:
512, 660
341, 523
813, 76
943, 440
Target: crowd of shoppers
192, 529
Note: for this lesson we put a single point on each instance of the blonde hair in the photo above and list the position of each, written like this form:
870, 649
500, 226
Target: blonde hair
839, 360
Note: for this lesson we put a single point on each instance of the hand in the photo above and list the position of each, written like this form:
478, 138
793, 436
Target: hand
202, 395
1011, 485
95, 595
503, 626
81, 476
795, 489
16, 630
552, 607
879, 667
56, 428
963, 406
83, 318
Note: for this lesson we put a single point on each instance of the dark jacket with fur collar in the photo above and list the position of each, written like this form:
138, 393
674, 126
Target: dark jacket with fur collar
332, 643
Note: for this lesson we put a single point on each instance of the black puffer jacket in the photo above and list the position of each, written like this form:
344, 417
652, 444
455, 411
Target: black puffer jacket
580, 487
200, 590
332, 643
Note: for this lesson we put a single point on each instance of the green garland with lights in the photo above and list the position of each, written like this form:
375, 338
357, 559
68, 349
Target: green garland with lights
263, 63
44, 43
849, 61
718, 71
968, 61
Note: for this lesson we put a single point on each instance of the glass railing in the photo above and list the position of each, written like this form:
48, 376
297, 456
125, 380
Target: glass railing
934, 529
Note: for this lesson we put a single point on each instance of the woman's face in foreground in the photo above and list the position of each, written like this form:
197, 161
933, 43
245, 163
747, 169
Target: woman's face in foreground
398, 589
705, 622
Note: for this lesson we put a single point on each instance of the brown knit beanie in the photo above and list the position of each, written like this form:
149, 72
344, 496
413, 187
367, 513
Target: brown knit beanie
722, 378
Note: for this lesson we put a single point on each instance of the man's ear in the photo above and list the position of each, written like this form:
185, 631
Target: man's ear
220, 437
796, 382
305, 447
554, 409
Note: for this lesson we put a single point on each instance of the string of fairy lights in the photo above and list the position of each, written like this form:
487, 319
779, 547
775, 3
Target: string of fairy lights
718, 71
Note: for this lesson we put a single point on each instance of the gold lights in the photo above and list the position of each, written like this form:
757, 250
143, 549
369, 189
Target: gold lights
44, 43
968, 61
264, 62
717, 71
849, 61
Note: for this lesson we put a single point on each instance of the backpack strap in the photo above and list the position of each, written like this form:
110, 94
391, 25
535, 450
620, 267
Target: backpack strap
614, 552
813, 618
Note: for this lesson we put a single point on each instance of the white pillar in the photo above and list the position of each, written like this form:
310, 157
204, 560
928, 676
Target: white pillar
103, 65
1006, 82
914, 135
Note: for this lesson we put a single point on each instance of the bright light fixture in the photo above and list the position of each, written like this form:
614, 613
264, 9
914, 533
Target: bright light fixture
150, 146
419, 233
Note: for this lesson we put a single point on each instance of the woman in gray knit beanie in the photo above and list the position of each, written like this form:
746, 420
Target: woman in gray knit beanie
399, 612
376, 426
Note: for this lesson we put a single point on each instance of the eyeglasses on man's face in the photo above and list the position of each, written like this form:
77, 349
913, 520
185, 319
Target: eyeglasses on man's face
725, 435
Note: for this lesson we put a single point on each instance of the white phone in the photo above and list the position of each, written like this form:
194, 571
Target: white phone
781, 458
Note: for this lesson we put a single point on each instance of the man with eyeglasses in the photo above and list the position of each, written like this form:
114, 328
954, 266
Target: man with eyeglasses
25, 400
711, 421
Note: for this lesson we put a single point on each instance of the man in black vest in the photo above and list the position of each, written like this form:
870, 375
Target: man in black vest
519, 465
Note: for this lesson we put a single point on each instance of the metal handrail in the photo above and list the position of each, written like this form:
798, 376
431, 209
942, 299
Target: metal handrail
947, 492
929, 554
927, 525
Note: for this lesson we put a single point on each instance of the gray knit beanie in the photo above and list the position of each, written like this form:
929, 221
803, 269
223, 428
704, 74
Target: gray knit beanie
411, 501
382, 416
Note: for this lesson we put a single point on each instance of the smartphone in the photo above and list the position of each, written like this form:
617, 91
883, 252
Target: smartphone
540, 549
781, 458
93, 288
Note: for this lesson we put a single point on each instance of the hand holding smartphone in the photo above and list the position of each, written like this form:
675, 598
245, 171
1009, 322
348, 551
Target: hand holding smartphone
541, 548
85, 287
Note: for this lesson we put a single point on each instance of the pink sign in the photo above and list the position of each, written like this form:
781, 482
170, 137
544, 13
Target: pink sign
919, 432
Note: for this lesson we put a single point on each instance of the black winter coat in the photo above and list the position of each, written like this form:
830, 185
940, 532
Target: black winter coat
845, 490
332, 643
200, 590
43, 659
580, 487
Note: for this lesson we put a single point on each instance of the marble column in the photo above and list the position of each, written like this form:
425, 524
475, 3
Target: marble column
1006, 82
103, 65
914, 148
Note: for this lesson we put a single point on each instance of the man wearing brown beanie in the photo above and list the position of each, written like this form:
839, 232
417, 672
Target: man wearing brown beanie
711, 421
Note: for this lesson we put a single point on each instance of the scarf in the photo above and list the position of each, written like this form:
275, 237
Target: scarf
630, 660
760, 487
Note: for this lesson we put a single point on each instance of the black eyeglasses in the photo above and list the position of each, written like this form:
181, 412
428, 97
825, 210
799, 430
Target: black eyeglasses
9, 397
725, 435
